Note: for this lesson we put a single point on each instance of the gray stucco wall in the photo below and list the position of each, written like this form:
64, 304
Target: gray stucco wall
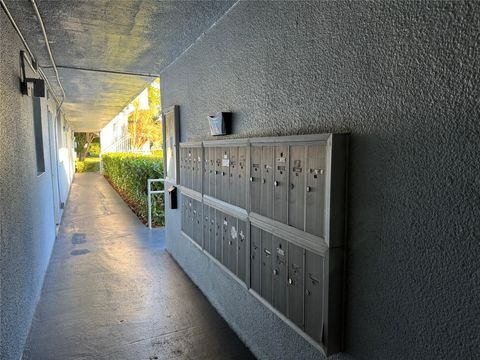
402, 77
27, 226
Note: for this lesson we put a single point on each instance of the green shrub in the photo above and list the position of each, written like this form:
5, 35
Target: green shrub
129, 173
89, 165
94, 149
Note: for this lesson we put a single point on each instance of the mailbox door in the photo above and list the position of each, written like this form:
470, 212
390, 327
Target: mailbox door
266, 202
218, 234
242, 250
280, 205
232, 195
266, 285
315, 190
188, 168
314, 295
279, 274
182, 163
194, 168
295, 284
211, 171
241, 177
224, 241
212, 231
255, 259
232, 244
206, 227
255, 178
206, 168
225, 174
297, 185
218, 173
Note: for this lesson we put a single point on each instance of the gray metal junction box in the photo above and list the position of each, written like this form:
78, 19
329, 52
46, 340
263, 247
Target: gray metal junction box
271, 212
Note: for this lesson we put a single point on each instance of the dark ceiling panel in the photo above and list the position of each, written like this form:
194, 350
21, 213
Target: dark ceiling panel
141, 36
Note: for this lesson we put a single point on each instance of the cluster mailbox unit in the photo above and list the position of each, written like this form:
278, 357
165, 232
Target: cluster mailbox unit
271, 211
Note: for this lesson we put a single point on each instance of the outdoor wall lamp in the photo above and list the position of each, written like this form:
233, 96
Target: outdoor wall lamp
30, 86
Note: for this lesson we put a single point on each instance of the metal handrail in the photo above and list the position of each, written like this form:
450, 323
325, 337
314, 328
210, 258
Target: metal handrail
150, 193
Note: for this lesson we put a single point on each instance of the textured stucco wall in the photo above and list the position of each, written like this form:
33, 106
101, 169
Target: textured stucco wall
27, 225
402, 77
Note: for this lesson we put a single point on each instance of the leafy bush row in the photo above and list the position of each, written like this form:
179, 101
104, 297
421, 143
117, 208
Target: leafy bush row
129, 173
88, 165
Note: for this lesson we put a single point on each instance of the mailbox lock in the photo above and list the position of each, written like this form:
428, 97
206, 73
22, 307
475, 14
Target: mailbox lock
216, 172
223, 173
275, 183
275, 272
263, 181
308, 189
290, 281
307, 292
292, 186
251, 178
230, 242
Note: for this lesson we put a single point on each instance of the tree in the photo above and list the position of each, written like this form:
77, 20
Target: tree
83, 141
142, 124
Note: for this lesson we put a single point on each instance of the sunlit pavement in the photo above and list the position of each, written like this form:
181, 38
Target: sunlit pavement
112, 291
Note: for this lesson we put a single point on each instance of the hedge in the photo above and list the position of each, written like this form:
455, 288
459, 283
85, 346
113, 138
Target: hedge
88, 165
128, 174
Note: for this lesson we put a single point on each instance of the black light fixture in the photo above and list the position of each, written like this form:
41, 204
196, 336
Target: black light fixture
30, 86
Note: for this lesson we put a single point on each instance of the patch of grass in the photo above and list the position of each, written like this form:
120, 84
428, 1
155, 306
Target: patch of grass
91, 164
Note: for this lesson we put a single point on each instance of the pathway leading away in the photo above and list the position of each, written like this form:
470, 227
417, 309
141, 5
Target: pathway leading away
112, 291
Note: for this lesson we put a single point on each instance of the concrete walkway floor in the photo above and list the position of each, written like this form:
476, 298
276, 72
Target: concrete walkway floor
112, 291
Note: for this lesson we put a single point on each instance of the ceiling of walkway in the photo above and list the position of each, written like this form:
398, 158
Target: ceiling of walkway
135, 36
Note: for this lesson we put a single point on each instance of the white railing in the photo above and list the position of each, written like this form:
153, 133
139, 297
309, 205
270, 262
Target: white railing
150, 193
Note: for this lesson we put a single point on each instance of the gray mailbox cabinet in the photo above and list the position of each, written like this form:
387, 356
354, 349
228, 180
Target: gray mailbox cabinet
271, 212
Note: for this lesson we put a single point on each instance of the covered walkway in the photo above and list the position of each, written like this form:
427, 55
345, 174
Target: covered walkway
113, 292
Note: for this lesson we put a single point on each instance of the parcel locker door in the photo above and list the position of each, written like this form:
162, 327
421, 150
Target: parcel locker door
225, 240
279, 247
225, 176
218, 234
280, 184
241, 177
212, 231
295, 284
266, 285
315, 189
206, 227
211, 170
255, 258
242, 250
232, 177
266, 202
232, 244
297, 186
205, 171
218, 173
255, 178
314, 295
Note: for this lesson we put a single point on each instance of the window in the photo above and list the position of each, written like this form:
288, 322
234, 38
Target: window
37, 126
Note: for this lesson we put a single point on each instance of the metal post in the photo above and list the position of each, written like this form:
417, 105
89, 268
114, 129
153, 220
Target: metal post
150, 193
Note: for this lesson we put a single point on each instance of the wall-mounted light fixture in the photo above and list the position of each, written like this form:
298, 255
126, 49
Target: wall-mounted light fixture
30, 86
